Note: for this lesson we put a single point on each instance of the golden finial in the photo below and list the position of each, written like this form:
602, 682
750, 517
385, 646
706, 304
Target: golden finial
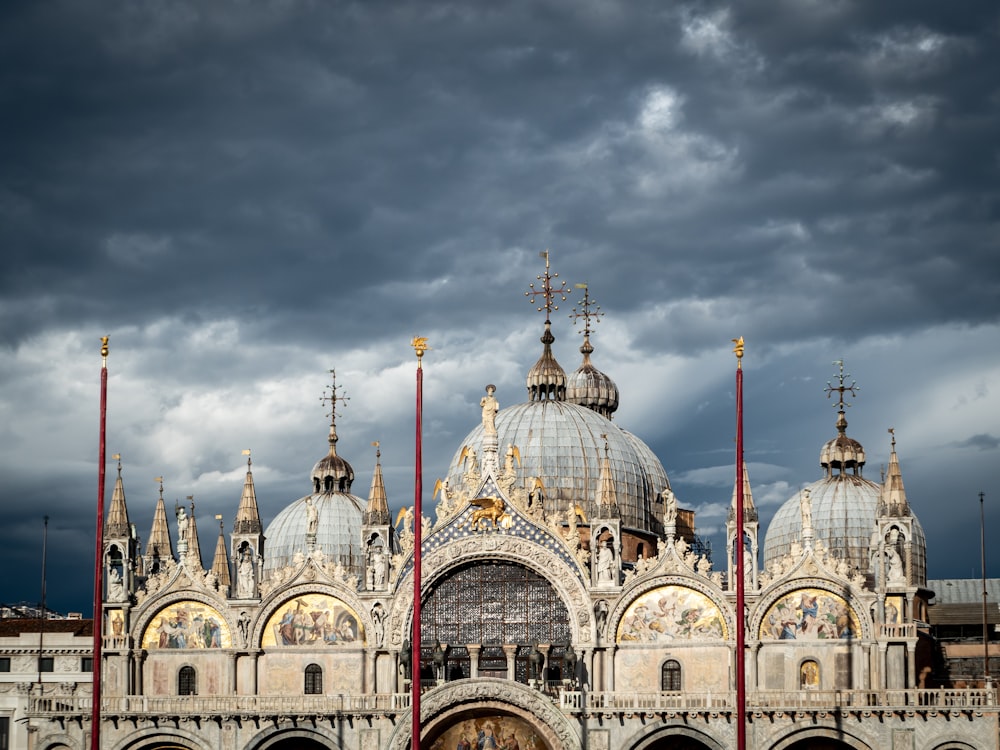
378, 451
118, 457
104, 350
419, 344
246, 452
738, 351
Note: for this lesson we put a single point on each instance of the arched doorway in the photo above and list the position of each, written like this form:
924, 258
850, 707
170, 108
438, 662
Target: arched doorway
678, 738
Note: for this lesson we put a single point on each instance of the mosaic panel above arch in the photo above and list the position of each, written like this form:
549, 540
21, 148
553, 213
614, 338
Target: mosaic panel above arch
671, 613
187, 624
491, 731
313, 620
810, 614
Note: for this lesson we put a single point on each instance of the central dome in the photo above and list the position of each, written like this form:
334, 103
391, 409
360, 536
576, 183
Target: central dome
563, 444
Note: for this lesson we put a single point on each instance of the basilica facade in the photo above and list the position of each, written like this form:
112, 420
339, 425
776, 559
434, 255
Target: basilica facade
567, 603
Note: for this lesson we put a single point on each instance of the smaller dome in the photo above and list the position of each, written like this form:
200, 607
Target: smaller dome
546, 379
338, 533
590, 387
842, 453
332, 473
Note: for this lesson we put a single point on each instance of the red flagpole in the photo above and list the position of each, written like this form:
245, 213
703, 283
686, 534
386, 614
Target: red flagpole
95, 714
741, 711
420, 345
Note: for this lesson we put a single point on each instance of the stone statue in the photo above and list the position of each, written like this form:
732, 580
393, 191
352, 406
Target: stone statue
601, 614
490, 408
894, 565
605, 563
243, 624
379, 616
805, 508
116, 587
669, 507
244, 575
376, 566
182, 524
312, 517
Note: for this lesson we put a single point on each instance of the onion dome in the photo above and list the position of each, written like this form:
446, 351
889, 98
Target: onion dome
546, 379
338, 530
588, 386
842, 453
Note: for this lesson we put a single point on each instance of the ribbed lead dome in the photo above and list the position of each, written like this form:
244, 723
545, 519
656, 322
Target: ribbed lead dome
562, 444
590, 387
339, 515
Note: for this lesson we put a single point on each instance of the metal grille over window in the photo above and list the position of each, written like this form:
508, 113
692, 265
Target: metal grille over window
493, 604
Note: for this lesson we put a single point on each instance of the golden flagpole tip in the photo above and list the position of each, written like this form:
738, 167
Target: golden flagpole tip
419, 344
738, 350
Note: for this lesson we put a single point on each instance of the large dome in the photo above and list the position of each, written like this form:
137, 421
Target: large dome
563, 444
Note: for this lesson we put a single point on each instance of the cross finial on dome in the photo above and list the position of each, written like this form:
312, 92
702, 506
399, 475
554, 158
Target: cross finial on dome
547, 292
589, 310
333, 398
840, 388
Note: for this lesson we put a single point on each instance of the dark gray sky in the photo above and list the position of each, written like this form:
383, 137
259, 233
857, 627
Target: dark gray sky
246, 195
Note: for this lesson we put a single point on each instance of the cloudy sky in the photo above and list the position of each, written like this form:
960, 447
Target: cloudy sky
245, 195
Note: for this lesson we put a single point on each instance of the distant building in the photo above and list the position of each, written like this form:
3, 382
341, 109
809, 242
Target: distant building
567, 605
41, 658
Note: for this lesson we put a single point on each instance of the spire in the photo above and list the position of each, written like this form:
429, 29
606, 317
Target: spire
749, 509
588, 386
546, 379
220, 563
377, 511
117, 523
248, 516
194, 546
893, 499
608, 497
159, 546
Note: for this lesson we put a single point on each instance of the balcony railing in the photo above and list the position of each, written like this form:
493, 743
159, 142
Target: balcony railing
618, 702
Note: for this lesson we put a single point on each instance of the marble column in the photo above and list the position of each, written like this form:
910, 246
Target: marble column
510, 651
473, 649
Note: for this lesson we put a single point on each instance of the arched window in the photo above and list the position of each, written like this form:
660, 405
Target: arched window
187, 681
494, 604
670, 676
809, 675
314, 680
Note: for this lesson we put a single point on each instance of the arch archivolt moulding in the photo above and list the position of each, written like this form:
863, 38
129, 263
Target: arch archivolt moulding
494, 547
859, 604
701, 585
159, 738
452, 700
646, 738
